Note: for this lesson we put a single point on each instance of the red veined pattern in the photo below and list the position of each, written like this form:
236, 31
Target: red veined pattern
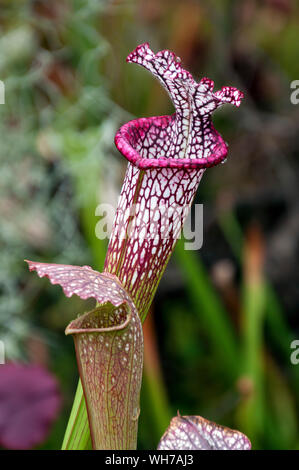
152, 208
197, 433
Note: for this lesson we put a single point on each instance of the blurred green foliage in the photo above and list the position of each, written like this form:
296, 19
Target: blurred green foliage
225, 316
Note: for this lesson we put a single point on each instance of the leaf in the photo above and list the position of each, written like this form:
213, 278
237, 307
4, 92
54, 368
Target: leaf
81, 280
197, 433
29, 403
109, 349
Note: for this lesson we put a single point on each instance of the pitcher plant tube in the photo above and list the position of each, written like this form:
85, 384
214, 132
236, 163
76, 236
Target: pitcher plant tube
167, 156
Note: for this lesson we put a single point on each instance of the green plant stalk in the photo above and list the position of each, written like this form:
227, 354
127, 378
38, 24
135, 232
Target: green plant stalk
159, 404
208, 307
154, 386
252, 410
281, 336
278, 327
77, 434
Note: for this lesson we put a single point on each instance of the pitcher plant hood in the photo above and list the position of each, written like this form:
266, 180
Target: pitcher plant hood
167, 156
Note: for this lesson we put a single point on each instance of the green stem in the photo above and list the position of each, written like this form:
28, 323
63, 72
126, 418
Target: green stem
160, 413
77, 434
252, 409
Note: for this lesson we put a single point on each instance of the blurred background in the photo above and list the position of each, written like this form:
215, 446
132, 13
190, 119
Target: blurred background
219, 334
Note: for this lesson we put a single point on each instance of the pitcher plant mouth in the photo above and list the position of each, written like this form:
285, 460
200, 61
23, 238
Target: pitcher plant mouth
130, 139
